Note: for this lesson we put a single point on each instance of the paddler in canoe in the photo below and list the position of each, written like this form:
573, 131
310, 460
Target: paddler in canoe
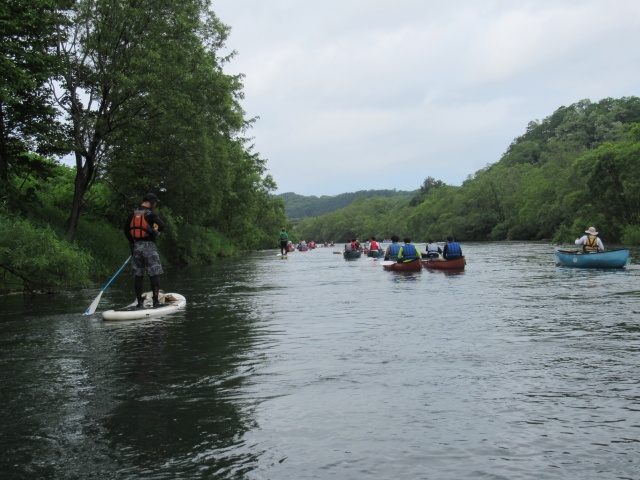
433, 250
392, 250
451, 250
141, 229
408, 252
374, 250
590, 242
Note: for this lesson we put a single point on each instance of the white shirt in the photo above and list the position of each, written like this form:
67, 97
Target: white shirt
583, 241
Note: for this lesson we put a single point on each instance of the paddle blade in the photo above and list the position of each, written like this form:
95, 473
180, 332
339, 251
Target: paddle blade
92, 308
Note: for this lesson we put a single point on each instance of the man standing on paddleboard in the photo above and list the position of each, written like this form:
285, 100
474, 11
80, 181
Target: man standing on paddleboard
284, 242
141, 229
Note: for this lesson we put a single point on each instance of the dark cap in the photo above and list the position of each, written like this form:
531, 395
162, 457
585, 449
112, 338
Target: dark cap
151, 197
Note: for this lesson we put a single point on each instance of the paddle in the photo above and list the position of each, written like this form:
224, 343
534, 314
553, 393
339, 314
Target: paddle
94, 304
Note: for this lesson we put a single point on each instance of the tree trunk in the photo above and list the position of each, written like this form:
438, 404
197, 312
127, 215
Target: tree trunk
84, 174
4, 154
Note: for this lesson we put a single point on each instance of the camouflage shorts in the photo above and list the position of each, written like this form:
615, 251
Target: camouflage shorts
146, 258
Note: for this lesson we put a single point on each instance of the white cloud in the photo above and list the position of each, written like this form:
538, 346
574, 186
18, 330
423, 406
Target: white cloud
367, 94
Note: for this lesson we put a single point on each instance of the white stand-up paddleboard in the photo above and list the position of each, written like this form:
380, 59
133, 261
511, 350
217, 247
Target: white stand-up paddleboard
170, 302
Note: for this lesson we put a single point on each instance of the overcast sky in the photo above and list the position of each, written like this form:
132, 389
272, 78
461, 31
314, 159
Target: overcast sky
380, 94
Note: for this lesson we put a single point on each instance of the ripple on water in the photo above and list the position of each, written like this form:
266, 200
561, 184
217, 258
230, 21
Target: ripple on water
316, 367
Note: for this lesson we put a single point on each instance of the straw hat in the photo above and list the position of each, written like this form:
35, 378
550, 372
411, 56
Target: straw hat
591, 231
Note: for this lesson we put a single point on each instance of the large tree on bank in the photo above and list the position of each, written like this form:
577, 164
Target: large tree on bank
119, 61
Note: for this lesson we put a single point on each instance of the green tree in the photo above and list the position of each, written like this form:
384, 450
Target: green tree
29, 128
614, 182
429, 184
123, 70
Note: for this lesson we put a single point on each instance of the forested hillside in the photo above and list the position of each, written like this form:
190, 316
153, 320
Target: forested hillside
298, 206
577, 168
136, 94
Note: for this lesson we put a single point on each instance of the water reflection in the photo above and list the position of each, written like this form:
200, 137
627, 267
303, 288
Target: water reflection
403, 277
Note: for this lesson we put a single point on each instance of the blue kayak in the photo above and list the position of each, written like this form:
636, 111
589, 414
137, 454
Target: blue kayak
608, 259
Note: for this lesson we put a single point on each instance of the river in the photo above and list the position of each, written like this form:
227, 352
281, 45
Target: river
313, 367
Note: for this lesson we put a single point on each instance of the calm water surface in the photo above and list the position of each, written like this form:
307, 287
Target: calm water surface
314, 367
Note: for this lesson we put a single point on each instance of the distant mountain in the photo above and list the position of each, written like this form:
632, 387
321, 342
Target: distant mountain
299, 206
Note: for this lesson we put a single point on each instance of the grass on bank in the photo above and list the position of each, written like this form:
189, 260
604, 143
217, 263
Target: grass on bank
39, 259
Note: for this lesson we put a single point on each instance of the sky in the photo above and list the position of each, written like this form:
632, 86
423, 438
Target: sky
371, 94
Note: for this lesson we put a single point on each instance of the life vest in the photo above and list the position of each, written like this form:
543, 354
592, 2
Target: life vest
453, 250
394, 249
409, 252
373, 245
283, 237
432, 250
139, 227
591, 245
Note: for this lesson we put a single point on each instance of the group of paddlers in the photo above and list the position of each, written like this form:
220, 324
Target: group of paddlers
409, 252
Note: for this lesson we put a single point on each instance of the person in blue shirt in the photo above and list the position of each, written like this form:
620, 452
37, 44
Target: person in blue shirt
451, 250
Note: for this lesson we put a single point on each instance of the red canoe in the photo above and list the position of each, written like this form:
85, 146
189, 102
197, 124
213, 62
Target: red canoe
457, 264
414, 266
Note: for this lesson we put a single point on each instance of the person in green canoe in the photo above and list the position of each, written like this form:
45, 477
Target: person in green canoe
284, 240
